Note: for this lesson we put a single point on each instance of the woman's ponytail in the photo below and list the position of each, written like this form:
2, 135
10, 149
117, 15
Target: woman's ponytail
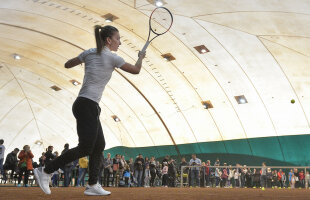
98, 38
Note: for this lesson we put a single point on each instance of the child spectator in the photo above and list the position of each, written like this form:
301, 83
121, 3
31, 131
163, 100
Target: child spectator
165, 175
307, 179
152, 170
231, 176
147, 176
237, 176
127, 175
290, 174
218, 174
301, 179
293, 181
283, 179
224, 175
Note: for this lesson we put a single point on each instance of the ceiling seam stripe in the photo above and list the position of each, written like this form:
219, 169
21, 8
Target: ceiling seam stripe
4, 116
227, 95
34, 46
286, 79
28, 103
249, 12
134, 114
252, 84
48, 93
9, 81
284, 46
19, 132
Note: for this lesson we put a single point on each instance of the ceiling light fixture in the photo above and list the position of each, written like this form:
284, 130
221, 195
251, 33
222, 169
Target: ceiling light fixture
202, 49
38, 142
207, 104
16, 56
55, 88
109, 17
116, 119
158, 3
241, 99
75, 82
168, 57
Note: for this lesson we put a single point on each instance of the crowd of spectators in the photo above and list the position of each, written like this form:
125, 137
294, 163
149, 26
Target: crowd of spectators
148, 172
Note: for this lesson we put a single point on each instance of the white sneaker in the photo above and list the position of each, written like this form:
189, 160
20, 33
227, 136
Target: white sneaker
96, 190
42, 179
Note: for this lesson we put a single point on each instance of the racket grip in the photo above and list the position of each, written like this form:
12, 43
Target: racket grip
145, 46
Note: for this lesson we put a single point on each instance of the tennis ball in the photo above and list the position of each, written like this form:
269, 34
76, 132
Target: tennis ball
263, 188
293, 101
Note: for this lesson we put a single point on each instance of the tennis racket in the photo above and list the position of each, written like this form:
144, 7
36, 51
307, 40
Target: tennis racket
160, 23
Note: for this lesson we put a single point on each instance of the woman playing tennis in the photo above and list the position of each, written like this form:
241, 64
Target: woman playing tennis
100, 63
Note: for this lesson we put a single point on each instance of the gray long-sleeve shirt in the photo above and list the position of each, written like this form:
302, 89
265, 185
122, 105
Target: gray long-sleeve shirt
107, 162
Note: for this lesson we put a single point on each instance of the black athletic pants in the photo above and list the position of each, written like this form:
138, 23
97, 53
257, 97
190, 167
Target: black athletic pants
91, 139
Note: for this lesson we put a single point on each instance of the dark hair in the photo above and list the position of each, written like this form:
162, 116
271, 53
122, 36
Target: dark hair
101, 35
1, 141
66, 146
16, 149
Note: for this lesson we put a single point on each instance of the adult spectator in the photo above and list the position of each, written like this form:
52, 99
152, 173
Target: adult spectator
185, 169
280, 174
25, 165
10, 163
55, 177
42, 159
195, 170
116, 165
107, 164
67, 168
263, 177
166, 159
49, 156
139, 163
217, 162
256, 178
83, 165
2, 150
171, 172
218, 174
165, 174
152, 166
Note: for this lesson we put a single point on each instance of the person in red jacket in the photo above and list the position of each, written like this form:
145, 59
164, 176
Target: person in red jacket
280, 173
25, 165
302, 179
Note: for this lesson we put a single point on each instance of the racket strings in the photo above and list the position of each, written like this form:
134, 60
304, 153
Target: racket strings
161, 21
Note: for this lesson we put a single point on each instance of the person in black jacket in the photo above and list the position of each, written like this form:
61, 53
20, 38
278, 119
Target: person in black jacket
49, 156
67, 168
139, 164
171, 172
11, 163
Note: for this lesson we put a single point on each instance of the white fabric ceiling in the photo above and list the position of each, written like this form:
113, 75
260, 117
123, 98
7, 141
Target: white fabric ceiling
258, 48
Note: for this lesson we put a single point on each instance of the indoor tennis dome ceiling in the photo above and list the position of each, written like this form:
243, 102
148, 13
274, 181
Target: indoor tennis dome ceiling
219, 83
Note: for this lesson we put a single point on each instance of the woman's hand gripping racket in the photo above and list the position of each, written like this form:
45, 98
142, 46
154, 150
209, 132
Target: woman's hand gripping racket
159, 23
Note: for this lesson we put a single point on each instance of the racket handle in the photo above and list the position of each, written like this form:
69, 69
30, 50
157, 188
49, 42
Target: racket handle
145, 46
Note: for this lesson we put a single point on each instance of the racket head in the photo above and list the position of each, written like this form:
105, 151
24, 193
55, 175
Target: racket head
160, 20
